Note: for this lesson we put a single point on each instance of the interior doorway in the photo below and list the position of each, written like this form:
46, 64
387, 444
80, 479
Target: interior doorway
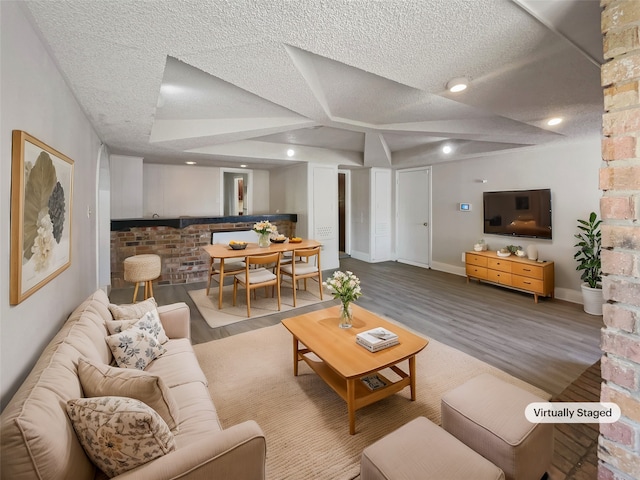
344, 248
236, 191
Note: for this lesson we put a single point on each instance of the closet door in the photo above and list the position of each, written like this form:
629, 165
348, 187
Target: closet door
413, 198
380, 214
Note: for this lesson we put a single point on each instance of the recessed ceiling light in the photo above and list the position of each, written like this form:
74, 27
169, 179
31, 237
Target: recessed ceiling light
554, 121
447, 149
291, 152
243, 166
190, 163
458, 84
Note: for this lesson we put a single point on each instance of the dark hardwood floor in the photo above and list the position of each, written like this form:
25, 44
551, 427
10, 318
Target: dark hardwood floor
553, 344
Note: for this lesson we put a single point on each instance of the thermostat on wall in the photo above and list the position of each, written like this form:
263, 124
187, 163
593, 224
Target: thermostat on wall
464, 207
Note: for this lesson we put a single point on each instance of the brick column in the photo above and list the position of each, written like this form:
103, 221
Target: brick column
619, 443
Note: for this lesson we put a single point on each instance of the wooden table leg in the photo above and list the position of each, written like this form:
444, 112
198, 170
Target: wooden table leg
221, 283
210, 273
351, 404
412, 376
295, 357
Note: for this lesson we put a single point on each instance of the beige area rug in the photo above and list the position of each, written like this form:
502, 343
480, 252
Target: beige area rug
263, 305
305, 423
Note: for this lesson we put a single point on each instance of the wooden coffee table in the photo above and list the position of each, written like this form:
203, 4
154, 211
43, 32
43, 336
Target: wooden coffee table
343, 362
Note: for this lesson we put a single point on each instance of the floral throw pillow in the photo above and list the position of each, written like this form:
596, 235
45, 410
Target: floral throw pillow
149, 322
134, 348
119, 433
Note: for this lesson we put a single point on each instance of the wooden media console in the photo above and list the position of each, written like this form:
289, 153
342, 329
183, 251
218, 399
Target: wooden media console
513, 272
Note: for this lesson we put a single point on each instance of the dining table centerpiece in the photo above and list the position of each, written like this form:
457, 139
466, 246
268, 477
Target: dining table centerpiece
344, 286
264, 229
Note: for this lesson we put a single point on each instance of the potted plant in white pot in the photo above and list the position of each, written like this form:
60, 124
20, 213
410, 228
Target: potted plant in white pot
588, 258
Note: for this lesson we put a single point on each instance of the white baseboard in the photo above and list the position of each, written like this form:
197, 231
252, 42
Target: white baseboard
569, 295
448, 268
365, 257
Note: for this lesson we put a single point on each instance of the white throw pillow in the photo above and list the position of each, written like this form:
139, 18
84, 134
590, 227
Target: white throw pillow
134, 348
130, 311
99, 380
118, 433
149, 322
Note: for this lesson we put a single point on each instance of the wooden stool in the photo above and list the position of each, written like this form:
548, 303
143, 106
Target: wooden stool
142, 268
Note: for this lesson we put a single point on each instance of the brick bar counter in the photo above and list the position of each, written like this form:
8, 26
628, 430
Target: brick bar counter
178, 242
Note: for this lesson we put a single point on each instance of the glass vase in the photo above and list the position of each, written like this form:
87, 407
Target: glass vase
346, 316
263, 240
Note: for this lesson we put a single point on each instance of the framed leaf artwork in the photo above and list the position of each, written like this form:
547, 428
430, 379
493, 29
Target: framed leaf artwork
41, 204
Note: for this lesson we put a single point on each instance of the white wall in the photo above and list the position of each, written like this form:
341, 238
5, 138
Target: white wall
180, 190
125, 175
570, 170
289, 194
261, 191
35, 98
177, 190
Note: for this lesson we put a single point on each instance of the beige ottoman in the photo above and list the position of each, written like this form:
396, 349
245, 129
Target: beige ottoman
420, 450
487, 414
142, 268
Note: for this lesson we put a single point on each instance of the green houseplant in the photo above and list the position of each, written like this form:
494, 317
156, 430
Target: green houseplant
589, 263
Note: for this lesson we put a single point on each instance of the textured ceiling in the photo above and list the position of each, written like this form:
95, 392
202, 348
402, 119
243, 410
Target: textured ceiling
352, 82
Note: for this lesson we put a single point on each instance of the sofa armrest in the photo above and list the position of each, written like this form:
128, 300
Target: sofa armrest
176, 320
239, 452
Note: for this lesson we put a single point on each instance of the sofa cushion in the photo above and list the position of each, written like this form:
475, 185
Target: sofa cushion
119, 433
198, 416
179, 365
99, 380
134, 348
128, 311
149, 322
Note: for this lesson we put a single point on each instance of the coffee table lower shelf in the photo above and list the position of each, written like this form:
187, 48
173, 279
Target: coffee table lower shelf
352, 390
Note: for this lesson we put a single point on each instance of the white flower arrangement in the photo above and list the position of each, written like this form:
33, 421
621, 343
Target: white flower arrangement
344, 286
264, 227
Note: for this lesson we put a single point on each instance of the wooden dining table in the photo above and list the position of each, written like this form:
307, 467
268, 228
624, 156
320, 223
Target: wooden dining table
222, 252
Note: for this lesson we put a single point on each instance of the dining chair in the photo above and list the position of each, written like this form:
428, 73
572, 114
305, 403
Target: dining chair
306, 267
232, 266
254, 276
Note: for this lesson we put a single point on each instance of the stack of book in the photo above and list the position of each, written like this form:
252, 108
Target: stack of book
377, 339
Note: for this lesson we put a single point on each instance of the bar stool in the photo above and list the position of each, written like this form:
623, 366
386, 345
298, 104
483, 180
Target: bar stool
142, 268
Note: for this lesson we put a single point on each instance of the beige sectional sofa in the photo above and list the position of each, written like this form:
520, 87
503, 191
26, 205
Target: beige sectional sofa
38, 439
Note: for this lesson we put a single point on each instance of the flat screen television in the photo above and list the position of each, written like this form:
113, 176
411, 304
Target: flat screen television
521, 213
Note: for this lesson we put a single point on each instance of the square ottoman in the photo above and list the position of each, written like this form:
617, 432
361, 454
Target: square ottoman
420, 450
487, 414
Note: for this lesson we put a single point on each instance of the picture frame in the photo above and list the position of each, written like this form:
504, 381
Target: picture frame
41, 213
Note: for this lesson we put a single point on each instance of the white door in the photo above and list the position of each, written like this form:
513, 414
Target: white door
413, 232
